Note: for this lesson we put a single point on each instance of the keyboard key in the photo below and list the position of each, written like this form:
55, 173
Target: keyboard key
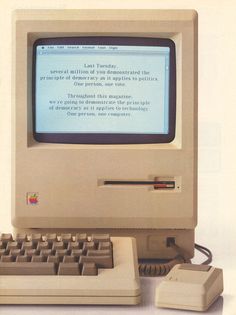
68, 269
31, 252
66, 238
100, 261
27, 245
100, 237
89, 269
38, 259
61, 252
16, 252
69, 259
58, 245
77, 252
13, 245
6, 237
2, 251
7, 258
21, 237
98, 252
81, 237
23, 258
104, 245
73, 245
45, 252
88, 245
51, 237
43, 245
36, 237
53, 259
27, 268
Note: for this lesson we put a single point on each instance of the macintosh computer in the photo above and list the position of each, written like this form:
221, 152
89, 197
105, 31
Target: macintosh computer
105, 124
104, 142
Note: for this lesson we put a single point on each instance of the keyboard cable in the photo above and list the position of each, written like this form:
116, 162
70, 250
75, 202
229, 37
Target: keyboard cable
149, 268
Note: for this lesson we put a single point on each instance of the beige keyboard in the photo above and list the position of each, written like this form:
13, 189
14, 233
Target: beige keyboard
68, 269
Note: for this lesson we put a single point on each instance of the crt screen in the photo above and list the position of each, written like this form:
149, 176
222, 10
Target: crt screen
108, 89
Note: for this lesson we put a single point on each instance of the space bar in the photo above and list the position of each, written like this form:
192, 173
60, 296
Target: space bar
27, 268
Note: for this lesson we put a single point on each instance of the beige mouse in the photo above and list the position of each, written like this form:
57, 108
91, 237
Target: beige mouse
190, 287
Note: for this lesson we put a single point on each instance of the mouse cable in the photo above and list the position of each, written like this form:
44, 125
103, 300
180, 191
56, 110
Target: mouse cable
153, 269
206, 252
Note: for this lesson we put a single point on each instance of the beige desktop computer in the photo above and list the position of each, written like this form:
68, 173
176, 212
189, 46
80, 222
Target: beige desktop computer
104, 143
105, 125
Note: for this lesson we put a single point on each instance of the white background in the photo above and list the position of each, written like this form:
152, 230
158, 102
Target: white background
217, 141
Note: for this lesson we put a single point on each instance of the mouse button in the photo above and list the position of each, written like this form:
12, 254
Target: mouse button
195, 267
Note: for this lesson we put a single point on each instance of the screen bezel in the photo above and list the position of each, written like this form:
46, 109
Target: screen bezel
110, 138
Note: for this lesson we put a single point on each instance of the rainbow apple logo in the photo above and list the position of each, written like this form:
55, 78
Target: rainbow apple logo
32, 198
